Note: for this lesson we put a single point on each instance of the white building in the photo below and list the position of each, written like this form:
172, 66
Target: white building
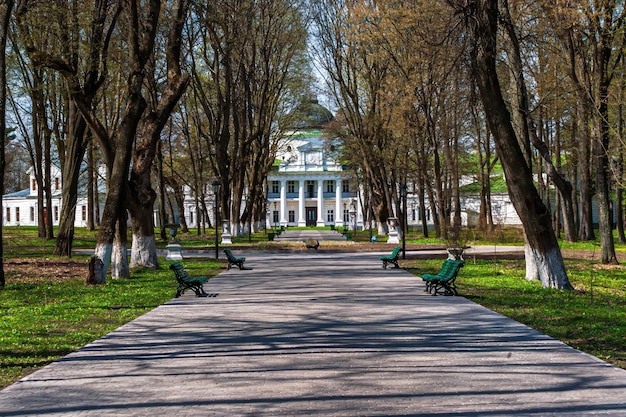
309, 187
20, 208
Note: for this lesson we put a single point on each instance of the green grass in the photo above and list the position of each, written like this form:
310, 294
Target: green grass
43, 320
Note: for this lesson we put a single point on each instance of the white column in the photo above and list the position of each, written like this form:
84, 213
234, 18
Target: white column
301, 206
338, 206
283, 202
320, 203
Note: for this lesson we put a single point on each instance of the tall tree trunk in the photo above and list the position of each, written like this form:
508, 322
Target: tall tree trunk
141, 197
5, 17
92, 184
162, 195
119, 169
543, 246
75, 152
601, 155
525, 132
586, 231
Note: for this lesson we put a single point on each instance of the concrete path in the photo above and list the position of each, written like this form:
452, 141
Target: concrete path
320, 334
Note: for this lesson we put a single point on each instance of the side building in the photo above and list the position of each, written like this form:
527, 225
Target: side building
20, 208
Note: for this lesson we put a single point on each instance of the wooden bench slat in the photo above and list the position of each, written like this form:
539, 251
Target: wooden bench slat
443, 282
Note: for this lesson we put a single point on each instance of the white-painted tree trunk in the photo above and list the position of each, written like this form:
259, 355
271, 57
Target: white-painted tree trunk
144, 252
532, 270
103, 252
119, 261
550, 268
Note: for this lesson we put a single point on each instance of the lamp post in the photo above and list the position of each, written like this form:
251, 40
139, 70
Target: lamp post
403, 194
249, 218
216, 190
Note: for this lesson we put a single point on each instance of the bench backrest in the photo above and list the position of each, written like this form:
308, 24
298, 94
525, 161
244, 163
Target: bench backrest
396, 251
229, 254
179, 270
450, 268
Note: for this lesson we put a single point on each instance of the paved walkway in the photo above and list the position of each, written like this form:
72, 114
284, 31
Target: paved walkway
320, 334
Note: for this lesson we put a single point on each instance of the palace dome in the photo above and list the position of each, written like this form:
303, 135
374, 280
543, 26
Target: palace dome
311, 115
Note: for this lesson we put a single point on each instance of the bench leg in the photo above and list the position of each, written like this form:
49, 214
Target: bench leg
199, 290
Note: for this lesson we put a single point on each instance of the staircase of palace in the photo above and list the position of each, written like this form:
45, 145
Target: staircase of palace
290, 235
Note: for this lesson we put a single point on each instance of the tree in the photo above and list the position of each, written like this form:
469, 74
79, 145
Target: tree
117, 146
36, 84
247, 55
482, 24
83, 79
141, 196
358, 70
5, 15
593, 39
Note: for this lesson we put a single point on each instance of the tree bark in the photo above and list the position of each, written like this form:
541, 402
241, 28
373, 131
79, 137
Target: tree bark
75, 152
543, 246
5, 17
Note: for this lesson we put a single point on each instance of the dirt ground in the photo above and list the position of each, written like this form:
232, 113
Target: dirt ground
43, 270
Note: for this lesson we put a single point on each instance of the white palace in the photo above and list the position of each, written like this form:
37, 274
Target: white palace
309, 187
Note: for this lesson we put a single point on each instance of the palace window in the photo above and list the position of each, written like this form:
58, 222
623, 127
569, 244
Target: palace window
275, 187
291, 186
292, 216
345, 187
330, 216
330, 186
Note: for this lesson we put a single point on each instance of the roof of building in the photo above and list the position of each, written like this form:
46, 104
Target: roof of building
18, 194
311, 115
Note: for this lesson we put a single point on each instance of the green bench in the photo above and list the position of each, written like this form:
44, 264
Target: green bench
187, 282
443, 282
391, 258
233, 260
